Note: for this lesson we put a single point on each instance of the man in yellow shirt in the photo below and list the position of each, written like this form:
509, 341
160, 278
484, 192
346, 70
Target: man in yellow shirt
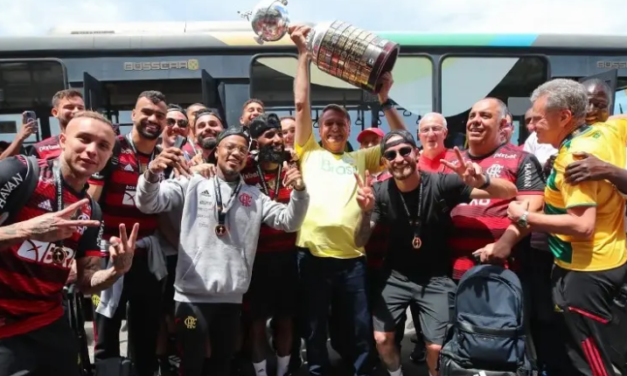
331, 266
585, 223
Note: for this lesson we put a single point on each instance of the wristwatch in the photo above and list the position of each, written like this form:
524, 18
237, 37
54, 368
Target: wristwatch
522, 221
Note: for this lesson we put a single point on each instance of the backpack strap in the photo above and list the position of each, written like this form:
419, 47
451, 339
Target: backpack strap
24, 193
114, 161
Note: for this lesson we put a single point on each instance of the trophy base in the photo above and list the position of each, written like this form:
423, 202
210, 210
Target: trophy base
387, 62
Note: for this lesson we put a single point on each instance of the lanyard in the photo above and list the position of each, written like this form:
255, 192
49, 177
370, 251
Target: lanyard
59, 254
277, 182
129, 138
221, 229
415, 223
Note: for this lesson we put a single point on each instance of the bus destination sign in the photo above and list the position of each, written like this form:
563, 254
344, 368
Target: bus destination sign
191, 64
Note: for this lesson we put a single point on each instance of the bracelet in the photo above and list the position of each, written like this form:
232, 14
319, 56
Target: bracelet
487, 181
387, 104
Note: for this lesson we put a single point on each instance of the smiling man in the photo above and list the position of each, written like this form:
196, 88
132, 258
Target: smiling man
585, 222
207, 126
331, 265
115, 188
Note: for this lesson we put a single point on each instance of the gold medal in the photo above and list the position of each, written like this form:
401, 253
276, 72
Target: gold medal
220, 230
59, 255
416, 242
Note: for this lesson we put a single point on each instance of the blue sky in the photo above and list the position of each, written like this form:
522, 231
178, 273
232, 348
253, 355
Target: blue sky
31, 17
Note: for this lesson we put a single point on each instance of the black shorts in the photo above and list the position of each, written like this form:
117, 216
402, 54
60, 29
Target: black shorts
434, 299
51, 350
273, 287
168, 290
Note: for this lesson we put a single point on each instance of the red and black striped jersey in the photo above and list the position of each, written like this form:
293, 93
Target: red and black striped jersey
31, 279
119, 181
270, 239
483, 221
47, 149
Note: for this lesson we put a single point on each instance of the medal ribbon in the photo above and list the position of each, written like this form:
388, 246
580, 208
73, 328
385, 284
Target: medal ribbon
129, 138
221, 209
58, 189
416, 222
277, 182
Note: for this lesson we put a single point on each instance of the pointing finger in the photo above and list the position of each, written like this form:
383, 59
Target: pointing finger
134, 234
458, 153
360, 182
74, 207
123, 235
79, 223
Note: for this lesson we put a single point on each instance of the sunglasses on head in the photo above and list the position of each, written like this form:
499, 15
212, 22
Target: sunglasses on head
390, 155
182, 123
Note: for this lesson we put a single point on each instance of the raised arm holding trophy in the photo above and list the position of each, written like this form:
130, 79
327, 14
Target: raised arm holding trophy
353, 55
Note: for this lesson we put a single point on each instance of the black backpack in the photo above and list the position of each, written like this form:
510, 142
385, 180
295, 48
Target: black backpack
489, 335
22, 195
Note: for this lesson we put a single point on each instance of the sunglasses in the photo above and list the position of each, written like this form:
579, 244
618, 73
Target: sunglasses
181, 123
390, 155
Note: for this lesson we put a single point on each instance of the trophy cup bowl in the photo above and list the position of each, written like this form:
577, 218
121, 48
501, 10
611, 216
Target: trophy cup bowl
353, 55
270, 20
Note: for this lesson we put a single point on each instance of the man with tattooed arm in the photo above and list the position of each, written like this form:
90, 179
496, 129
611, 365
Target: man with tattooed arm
47, 222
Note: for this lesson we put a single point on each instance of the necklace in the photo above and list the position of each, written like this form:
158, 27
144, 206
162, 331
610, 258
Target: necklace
277, 182
414, 222
221, 229
129, 138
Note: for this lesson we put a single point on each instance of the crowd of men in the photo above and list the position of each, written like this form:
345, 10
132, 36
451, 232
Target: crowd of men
233, 226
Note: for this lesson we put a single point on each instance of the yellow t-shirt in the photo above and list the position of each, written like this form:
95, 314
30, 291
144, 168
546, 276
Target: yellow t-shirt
329, 226
607, 248
618, 127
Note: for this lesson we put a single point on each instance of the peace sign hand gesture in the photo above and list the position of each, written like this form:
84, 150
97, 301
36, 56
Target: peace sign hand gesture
471, 173
365, 193
122, 249
53, 227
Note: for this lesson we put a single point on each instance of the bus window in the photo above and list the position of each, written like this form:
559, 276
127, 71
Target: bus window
28, 85
272, 80
466, 80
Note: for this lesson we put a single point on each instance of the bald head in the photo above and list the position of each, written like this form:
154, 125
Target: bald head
432, 118
432, 132
599, 100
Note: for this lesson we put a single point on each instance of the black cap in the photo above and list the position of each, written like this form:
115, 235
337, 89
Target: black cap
233, 131
262, 123
406, 138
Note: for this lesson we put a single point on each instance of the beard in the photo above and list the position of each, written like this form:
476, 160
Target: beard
142, 129
269, 153
207, 142
403, 171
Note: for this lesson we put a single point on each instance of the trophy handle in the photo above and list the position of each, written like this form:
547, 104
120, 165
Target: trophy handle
259, 40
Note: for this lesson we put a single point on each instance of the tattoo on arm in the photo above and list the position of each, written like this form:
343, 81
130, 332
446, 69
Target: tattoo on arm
364, 229
91, 279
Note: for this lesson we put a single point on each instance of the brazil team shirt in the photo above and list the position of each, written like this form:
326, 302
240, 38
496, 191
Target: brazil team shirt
606, 249
329, 226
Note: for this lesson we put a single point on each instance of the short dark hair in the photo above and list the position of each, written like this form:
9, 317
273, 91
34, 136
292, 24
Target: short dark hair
152, 95
253, 100
176, 108
64, 94
338, 108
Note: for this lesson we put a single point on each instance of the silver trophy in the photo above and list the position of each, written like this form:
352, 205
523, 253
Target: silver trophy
356, 56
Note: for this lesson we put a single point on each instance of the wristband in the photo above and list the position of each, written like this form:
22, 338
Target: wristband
387, 105
487, 181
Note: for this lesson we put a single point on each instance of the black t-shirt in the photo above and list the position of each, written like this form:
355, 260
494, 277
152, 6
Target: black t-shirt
441, 193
